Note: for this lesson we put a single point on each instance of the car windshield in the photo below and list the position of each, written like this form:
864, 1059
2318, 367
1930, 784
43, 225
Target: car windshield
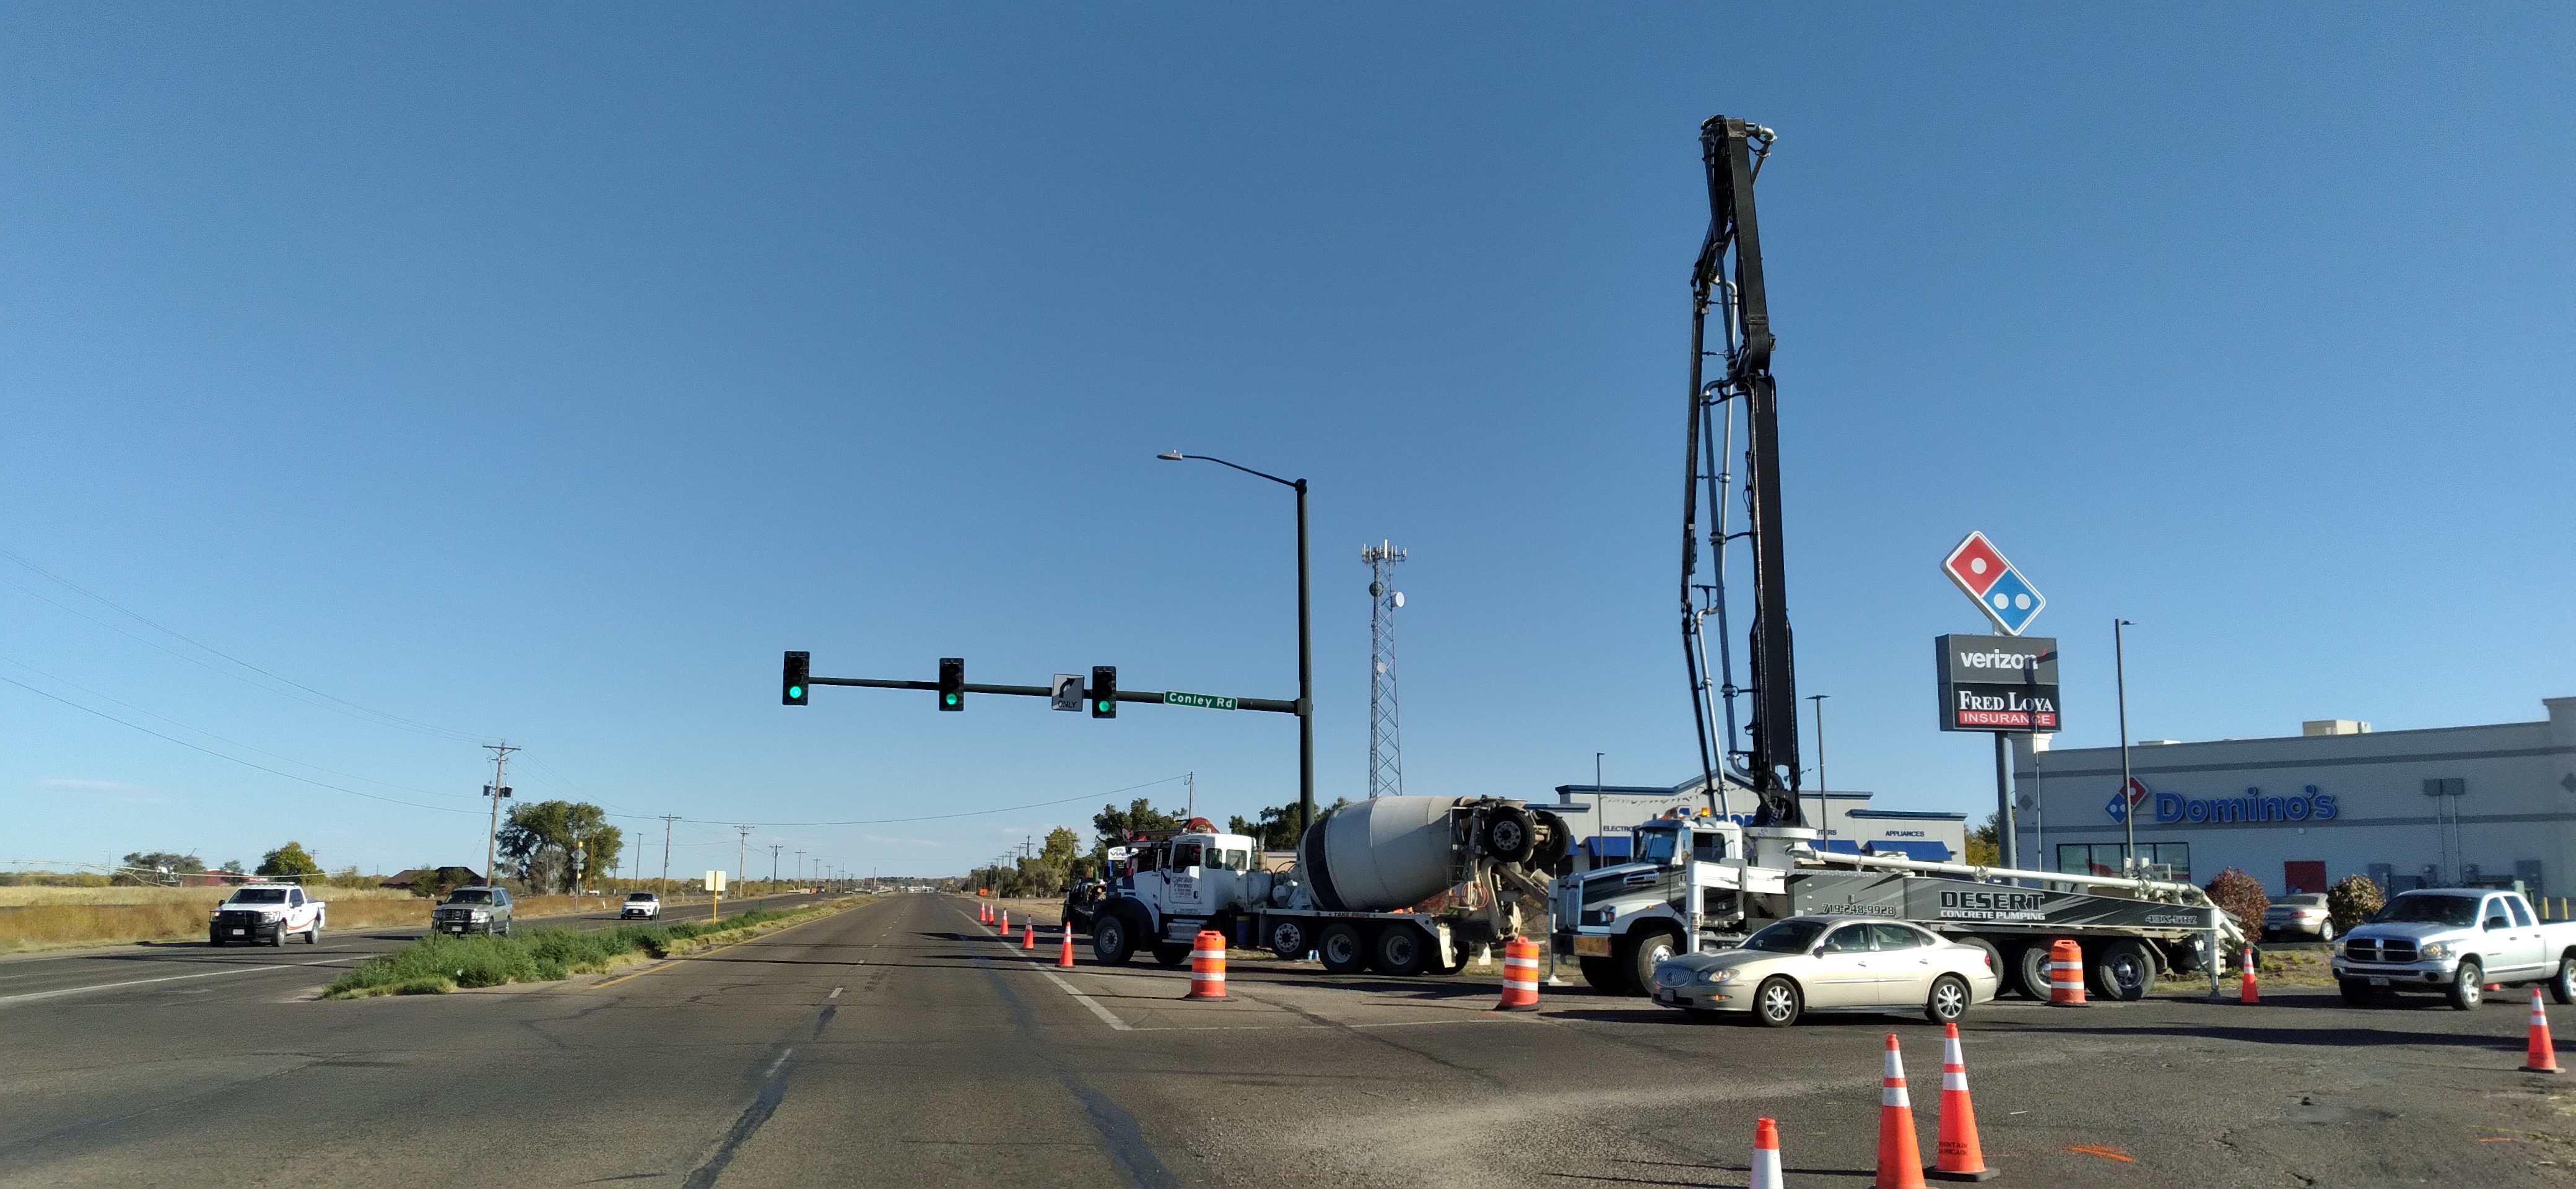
1655, 846
2433, 910
469, 897
640, 896
259, 896
1787, 937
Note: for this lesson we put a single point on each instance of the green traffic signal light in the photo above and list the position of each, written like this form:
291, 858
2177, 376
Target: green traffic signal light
952, 699
1100, 706
795, 691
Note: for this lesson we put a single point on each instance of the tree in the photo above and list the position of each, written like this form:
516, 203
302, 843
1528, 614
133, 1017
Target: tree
1274, 829
545, 838
155, 863
436, 883
288, 860
233, 865
1114, 825
1985, 843
2351, 901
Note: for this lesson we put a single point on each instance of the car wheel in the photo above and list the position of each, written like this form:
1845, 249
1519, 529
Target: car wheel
1401, 951
2325, 932
2357, 993
1602, 973
2562, 983
2124, 972
2469, 987
1777, 1003
1342, 948
211, 939
1948, 1001
1290, 939
1113, 939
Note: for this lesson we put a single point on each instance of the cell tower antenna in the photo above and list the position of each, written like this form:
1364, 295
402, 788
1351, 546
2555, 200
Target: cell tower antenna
1386, 745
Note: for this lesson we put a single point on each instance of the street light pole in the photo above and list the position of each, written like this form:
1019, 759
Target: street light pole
1824, 791
1305, 644
2128, 804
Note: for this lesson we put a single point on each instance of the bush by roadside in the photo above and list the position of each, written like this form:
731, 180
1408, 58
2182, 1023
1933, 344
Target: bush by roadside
438, 963
2351, 901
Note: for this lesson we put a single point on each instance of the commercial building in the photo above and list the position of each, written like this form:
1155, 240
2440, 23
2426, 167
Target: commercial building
2451, 806
1603, 815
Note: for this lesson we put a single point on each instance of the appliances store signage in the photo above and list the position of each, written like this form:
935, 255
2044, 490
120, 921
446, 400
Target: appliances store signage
1997, 683
2254, 808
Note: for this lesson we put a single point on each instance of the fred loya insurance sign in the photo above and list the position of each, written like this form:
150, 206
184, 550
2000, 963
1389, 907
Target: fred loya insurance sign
1997, 683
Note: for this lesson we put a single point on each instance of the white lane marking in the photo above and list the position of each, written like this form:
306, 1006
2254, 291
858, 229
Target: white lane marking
1087, 1001
836, 993
164, 979
773, 1066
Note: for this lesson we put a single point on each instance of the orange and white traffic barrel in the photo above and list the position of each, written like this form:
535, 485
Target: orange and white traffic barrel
1207, 966
2065, 973
1520, 976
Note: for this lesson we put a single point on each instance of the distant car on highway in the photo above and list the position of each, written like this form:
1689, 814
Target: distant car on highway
473, 910
1831, 963
644, 905
265, 912
2302, 915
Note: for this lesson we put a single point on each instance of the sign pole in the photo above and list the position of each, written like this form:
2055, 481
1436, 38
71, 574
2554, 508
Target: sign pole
2128, 793
2008, 841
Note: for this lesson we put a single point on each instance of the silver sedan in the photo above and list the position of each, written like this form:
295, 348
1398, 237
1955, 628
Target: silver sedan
1830, 963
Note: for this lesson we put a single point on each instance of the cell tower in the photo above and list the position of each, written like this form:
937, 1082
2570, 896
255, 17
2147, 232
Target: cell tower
1386, 746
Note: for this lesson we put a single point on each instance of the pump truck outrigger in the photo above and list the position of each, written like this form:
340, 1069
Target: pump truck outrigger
1398, 885
1704, 881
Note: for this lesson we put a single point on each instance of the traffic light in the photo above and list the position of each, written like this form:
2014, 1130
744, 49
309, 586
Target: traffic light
952, 683
791, 688
1104, 691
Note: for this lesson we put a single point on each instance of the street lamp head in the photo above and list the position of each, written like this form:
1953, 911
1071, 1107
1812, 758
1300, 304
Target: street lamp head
1171, 456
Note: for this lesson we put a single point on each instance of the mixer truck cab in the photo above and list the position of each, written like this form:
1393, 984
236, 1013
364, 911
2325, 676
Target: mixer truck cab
1169, 888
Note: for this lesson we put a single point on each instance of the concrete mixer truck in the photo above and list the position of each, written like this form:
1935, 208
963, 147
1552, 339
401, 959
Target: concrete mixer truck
1398, 885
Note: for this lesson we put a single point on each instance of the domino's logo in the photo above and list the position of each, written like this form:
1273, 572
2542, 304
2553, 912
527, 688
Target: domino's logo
2000, 591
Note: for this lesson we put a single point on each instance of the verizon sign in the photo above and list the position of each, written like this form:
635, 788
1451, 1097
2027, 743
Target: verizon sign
1997, 683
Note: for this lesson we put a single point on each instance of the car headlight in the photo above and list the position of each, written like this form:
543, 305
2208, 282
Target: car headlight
2434, 949
1722, 975
271, 916
482, 916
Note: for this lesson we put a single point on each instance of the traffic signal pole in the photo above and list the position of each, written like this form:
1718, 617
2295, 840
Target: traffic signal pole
1274, 705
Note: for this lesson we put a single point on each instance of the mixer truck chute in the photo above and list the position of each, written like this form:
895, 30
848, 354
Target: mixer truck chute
1399, 885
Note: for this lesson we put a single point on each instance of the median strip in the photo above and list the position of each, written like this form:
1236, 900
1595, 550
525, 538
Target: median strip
439, 963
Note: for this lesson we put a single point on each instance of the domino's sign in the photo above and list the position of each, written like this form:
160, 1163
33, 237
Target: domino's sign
2253, 809
1998, 589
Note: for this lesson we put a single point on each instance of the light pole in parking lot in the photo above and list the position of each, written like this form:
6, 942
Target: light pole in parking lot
2128, 803
1305, 644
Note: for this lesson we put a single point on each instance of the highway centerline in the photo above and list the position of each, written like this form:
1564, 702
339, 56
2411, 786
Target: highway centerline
168, 978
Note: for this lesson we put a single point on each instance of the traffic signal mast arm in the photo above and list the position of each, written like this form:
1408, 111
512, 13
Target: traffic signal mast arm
1275, 705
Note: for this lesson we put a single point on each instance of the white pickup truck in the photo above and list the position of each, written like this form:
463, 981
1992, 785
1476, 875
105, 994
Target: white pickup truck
266, 912
2457, 941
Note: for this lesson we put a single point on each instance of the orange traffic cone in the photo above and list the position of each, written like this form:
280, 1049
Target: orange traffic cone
1006, 922
1766, 1156
1207, 966
1957, 1157
983, 913
1064, 957
1520, 976
2245, 992
1900, 1160
2544, 1056
1029, 936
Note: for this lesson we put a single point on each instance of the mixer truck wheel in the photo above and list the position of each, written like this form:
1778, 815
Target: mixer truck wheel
1401, 950
1510, 835
1290, 939
1342, 948
1113, 938
1638, 953
1602, 973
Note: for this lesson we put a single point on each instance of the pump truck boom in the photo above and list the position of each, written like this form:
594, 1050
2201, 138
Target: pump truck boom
1706, 882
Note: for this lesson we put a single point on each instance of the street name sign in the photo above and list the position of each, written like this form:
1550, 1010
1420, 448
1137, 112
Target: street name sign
1999, 590
1997, 683
1202, 701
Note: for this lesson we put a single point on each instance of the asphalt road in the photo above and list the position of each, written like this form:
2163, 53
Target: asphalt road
900, 1043
59, 973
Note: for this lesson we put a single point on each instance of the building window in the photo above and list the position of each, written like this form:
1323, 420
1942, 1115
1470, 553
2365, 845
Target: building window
2157, 860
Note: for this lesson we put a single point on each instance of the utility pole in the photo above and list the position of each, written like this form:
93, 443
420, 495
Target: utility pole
741, 846
774, 848
1192, 809
667, 819
800, 866
498, 789
1386, 746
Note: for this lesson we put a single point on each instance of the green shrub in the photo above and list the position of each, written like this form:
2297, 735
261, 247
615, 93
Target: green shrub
2351, 901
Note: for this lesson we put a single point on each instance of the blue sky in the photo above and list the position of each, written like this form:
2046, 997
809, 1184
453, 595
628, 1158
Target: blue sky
542, 372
